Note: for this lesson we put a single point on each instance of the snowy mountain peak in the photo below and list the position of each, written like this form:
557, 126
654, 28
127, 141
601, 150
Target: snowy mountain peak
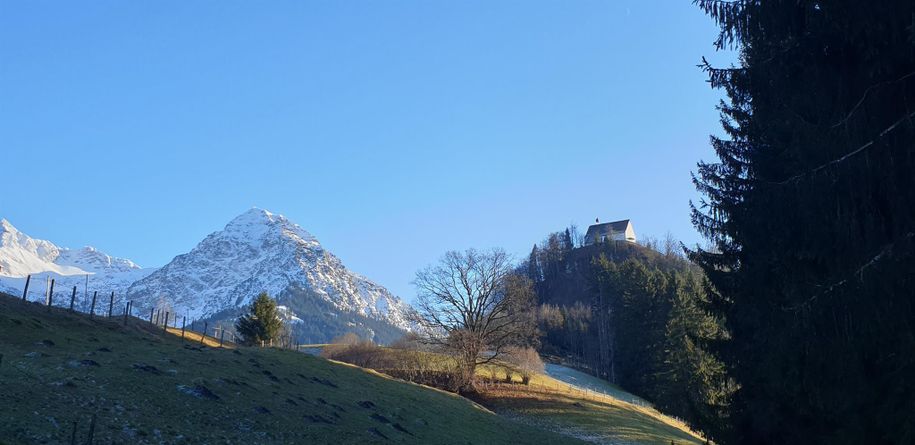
261, 251
254, 216
257, 225
257, 251
9, 234
21, 255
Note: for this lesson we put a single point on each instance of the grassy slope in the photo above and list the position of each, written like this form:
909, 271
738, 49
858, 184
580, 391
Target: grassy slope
148, 387
596, 417
581, 379
554, 405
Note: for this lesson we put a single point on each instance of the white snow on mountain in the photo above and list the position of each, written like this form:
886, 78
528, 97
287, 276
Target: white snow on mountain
22, 255
91, 260
287, 315
260, 251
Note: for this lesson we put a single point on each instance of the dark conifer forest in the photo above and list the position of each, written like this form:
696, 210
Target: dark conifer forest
634, 316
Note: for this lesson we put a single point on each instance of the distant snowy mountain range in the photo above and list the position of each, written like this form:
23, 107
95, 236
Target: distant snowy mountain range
21, 255
257, 251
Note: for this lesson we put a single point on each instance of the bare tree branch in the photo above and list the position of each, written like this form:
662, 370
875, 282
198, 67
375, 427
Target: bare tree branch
472, 303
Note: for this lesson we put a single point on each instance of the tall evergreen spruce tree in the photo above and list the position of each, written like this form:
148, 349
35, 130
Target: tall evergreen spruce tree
261, 324
811, 208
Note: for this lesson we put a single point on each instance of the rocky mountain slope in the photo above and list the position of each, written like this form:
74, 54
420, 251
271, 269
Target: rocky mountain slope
258, 251
22, 255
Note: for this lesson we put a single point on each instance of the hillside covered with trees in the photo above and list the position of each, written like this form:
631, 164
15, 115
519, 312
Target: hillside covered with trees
633, 316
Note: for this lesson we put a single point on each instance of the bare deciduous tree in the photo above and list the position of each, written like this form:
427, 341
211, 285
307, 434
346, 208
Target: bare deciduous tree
671, 247
472, 304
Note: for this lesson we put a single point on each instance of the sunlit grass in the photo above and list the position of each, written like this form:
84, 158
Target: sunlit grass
557, 405
194, 338
587, 413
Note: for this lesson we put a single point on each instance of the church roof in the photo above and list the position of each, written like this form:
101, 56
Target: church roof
615, 226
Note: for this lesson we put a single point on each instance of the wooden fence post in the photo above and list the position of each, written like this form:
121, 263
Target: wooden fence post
126, 307
202, 336
165, 325
110, 304
72, 298
151, 312
26, 291
73, 433
91, 431
92, 309
51, 294
183, 322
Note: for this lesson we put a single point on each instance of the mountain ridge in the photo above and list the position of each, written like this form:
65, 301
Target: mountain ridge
21, 254
257, 251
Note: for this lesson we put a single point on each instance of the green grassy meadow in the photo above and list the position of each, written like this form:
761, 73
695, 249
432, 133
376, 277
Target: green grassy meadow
143, 386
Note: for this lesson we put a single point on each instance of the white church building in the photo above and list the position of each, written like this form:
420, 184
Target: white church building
617, 231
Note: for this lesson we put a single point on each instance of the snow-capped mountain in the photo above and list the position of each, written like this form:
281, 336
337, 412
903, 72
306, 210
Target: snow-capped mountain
91, 260
22, 255
259, 251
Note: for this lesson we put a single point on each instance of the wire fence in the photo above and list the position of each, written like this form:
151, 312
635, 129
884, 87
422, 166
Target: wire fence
559, 388
109, 305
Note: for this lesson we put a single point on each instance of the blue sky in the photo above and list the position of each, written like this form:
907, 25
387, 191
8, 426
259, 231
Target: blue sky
392, 130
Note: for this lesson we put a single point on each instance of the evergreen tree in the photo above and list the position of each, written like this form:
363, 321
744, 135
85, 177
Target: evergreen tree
635, 317
567, 243
533, 266
261, 324
694, 382
809, 207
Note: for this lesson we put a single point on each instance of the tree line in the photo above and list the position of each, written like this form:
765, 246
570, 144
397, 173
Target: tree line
634, 316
